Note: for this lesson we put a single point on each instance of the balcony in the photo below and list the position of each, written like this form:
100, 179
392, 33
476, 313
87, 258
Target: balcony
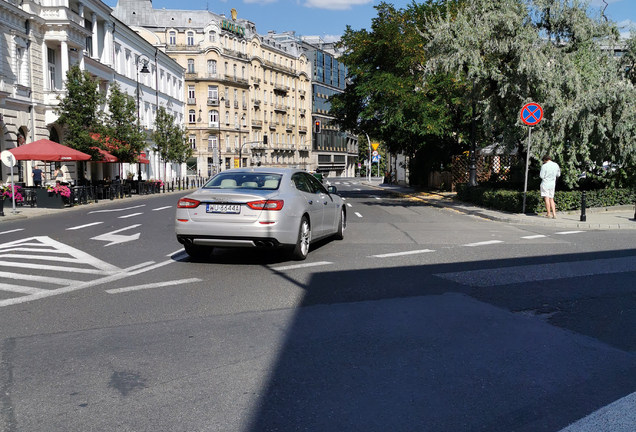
192, 101
289, 127
227, 104
213, 102
191, 75
244, 105
302, 129
257, 123
214, 124
280, 87
181, 47
280, 107
301, 93
302, 111
236, 104
256, 102
272, 126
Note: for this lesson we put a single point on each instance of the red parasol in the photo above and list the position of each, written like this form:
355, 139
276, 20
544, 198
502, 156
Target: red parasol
47, 150
143, 159
105, 156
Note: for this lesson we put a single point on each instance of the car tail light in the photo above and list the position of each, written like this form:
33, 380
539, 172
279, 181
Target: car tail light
266, 205
188, 203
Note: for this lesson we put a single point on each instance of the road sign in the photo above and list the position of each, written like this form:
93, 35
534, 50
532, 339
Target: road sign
375, 153
531, 114
8, 159
376, 158
375, 146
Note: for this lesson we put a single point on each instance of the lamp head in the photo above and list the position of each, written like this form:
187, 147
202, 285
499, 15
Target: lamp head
144, 69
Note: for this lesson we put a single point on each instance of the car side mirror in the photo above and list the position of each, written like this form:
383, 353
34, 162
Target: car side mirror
332, 190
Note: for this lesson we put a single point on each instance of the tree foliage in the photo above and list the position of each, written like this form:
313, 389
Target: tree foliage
122, 137
170, 140
79, 111
547, 51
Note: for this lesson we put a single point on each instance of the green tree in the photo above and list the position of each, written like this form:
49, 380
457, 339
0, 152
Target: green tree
170, 139
122, 137
547, 51
80, 110
390, 95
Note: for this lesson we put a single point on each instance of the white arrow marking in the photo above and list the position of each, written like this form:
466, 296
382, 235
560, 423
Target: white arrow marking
113, 238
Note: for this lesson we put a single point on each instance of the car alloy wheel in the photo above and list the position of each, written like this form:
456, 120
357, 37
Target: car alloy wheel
342, 225
301, 250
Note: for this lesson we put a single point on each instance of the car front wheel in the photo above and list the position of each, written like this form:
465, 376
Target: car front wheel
301, 249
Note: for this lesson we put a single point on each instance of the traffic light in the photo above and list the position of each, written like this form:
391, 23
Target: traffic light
317, 126
265, 139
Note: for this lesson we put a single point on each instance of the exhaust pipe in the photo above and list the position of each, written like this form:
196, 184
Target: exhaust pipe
269, 244
258, 243
187, 240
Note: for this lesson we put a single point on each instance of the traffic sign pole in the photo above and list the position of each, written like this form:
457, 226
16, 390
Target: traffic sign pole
525, 185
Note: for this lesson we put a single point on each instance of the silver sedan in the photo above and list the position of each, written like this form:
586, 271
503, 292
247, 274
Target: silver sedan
266, 208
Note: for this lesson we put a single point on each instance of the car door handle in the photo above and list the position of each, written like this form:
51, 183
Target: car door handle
310, 202
325, 203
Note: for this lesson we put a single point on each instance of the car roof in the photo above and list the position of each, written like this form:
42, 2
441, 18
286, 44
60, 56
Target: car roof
264, 170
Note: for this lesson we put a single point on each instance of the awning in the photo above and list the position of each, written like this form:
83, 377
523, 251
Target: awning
104, 156
143, 159
48, 151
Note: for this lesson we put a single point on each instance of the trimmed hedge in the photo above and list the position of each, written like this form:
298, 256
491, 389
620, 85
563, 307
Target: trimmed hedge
512, 201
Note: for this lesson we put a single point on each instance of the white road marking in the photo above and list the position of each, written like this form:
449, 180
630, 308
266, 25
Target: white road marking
19, 289
532, 237
617, 416
161, 208
83, 226
297, 266
24, 265
175, 252
43, 279
337, 183
358, 214
376, 197
153, 285
117, 210
349, 205
12, 231
389, 255
569, 232
541, 272
358, 189
113, 238
138, 266
78, 285
484, 243
129, 215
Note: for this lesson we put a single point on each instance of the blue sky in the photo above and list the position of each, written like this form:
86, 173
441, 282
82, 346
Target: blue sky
328, 18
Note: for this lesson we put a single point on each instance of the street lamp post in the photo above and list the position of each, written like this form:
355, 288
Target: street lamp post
241, 145
144, 70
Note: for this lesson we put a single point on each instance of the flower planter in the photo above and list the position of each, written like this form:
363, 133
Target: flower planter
47, 199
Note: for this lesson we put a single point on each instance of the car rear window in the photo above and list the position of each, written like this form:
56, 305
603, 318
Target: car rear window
244, 181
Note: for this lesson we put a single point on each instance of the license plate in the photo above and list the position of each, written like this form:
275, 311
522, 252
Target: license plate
224, 208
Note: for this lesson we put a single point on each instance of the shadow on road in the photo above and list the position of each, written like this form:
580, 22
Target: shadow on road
403, 349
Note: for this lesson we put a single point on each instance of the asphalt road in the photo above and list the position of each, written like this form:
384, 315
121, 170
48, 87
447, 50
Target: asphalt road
421, 319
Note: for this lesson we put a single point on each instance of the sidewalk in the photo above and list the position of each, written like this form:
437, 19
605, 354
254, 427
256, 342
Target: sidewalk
30, 212
618, 217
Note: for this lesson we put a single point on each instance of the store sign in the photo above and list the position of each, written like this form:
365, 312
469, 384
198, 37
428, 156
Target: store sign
230, 26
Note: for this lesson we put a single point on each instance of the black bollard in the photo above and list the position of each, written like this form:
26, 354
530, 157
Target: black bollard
583, 217
164, 188
2, 207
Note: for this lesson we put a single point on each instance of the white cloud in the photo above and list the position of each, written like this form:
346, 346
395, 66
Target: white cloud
626, 27
258, 1
335, 4
331, 38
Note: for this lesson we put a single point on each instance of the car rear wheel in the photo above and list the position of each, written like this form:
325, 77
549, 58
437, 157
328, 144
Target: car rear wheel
301, 250
342, 225
196, 251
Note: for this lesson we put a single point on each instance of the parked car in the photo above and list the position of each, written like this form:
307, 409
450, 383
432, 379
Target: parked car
266, 208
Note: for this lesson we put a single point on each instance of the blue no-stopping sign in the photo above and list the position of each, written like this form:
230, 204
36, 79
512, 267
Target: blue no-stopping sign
531, 114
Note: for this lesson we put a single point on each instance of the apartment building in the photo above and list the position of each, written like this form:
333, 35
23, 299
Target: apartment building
40, 41
247, 95
334, 151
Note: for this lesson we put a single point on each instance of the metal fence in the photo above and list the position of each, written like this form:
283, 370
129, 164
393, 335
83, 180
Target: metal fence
489, 168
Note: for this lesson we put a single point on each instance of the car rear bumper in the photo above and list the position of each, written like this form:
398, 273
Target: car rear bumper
250, 235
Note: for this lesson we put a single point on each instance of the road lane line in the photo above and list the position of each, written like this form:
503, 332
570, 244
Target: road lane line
20, 289
484, 243
138, 266
175, 252
358, 214
569, 232
540, 272
76, 285
152, 285
33, 278
55, 268
376, 197
532, 237
130, 215
395, 254
12, 231
617, 416
297, 266
117, 210
83, 226
161, 208
349, 205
